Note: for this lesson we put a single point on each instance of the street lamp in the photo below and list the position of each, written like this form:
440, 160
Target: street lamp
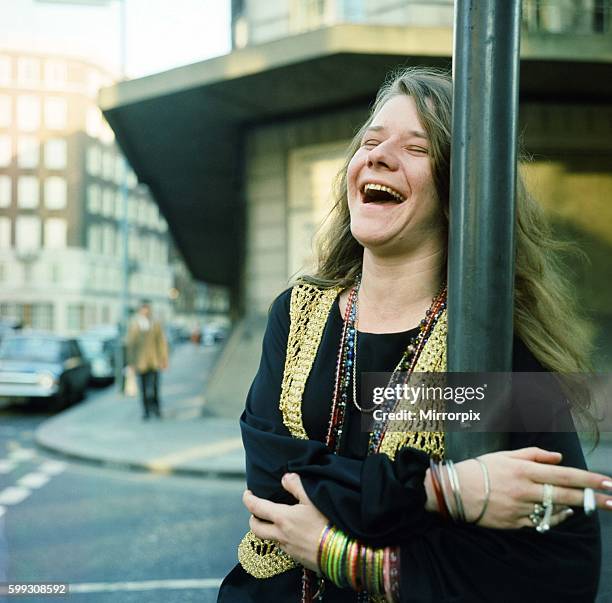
124, 224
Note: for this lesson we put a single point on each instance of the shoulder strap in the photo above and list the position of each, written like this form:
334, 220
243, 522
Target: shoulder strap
310, 307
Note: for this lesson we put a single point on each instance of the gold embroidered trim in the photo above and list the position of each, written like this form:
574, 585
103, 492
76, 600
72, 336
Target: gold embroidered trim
309, 310
308, 313
431, 359
263, 558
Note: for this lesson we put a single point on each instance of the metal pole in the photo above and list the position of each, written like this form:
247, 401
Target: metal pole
483, 187
124, 224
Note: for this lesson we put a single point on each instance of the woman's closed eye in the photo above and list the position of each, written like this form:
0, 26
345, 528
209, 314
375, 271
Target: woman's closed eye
417, 150
370, 143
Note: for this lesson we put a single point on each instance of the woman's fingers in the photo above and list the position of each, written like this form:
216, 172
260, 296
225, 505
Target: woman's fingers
264, 530
556, 518
260, 507
560, 517
538, 455
569, 477
572, 497
293, 484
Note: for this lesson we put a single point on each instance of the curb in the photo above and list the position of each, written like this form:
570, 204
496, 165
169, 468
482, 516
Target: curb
140, 467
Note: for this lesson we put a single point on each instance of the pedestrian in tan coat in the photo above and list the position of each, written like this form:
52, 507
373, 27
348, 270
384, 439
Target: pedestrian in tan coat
147, 354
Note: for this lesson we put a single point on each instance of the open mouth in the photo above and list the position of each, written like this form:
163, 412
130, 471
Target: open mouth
379, 193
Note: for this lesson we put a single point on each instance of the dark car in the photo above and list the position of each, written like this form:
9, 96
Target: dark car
42, 367
100, 350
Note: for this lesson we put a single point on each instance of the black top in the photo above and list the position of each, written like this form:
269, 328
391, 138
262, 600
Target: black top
381, 502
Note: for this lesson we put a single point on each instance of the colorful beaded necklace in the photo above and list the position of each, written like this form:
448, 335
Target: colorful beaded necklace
345, 376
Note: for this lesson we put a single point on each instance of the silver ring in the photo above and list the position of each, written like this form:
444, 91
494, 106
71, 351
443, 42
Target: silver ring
536, 515
547, 503
588, 501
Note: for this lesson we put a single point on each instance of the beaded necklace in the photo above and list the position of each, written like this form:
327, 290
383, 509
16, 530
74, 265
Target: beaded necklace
345, 376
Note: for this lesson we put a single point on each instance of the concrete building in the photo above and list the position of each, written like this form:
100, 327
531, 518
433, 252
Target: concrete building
244, 146
61, 204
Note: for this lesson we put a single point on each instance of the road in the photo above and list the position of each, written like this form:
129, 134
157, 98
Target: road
114, 535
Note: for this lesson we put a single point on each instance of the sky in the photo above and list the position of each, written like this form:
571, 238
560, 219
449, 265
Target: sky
160, 34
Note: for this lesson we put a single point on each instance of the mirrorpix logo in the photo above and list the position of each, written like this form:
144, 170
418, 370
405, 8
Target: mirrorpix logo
423, 394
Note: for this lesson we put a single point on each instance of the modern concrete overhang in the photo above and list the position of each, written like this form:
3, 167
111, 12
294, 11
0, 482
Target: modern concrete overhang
182, 130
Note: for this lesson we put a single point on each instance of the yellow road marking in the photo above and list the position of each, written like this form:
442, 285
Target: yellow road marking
165, 463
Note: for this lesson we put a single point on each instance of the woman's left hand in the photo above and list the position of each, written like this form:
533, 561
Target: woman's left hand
297, 528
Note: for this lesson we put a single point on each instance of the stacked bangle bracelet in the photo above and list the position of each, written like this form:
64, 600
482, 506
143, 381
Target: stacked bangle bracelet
350, 564
447, 490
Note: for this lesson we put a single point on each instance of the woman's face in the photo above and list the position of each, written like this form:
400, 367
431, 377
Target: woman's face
392, 199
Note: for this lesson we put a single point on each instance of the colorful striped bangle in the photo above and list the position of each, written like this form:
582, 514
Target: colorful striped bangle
387, 576
322, 540
353, 560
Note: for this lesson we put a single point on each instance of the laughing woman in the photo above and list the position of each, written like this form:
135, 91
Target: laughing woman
341, 514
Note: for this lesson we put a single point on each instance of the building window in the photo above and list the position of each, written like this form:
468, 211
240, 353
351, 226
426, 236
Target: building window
142, 212
93, 122
6, 151
119, 205
5, 190
108, 241
6, 71
5, 232
55, 192
94, 239
133, 246
132, 209
93, 198
28, 152
56, 113
42, 316
55, 233
6, 111
56, 74
55, 153
28, 71
153, 215
108, 202
56, 273
108, 167
28, 113
94, 160
27, 192
74, 317
27, 233
132, 181
119, 243
118, 170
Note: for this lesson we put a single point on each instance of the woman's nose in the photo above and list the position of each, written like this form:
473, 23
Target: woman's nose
382, 156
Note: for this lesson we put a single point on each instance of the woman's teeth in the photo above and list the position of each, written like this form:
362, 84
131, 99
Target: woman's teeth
372, 197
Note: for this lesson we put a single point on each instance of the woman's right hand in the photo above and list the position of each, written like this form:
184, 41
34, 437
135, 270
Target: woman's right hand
517, 480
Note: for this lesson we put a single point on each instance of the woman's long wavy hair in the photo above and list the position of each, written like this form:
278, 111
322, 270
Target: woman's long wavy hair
546, 313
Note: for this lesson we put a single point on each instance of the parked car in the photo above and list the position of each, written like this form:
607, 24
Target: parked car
100, 350
212, 334
42, 367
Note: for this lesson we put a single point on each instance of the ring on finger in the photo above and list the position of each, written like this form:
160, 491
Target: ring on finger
547, 504
588, 501
536, 515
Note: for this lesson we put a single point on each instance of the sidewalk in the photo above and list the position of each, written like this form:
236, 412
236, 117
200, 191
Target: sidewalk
190, 439
108, 428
